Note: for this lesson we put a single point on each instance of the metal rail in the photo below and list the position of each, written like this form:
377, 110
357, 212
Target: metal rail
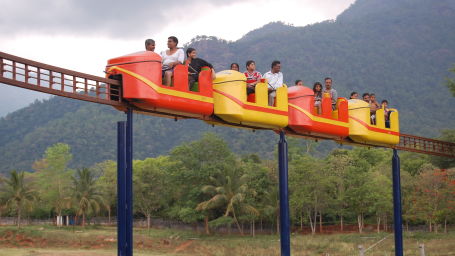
45, 78
426, 146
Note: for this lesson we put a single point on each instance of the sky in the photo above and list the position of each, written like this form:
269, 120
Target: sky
82, 35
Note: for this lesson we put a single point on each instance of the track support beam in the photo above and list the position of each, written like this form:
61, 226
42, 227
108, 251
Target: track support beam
285, 234
397, 214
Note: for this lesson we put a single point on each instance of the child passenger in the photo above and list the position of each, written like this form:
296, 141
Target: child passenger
384, 105
235, 66
317, 89
298, 83
252, 76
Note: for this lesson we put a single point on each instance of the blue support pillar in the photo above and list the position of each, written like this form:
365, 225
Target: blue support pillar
397, 215
121, 188
129, 183
125, 186
285, 234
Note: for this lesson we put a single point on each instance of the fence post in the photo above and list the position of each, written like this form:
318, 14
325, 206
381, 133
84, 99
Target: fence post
422, 249
361, 250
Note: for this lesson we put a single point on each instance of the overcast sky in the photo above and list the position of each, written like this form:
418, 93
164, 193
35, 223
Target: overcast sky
83, 34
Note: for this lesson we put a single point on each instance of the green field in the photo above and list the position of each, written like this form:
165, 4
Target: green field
49, 240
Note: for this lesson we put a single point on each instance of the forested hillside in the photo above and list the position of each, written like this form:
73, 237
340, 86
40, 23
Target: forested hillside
400, 50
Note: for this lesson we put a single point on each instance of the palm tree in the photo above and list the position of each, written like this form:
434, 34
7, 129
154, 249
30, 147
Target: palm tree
86, 197
18, 194
228, 191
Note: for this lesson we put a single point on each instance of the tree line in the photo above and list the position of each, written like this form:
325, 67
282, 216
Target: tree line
205, 182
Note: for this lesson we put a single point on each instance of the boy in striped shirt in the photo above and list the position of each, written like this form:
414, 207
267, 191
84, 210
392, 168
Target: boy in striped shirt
252, 76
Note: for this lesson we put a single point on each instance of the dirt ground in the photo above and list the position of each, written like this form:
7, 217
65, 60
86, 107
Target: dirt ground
101, 241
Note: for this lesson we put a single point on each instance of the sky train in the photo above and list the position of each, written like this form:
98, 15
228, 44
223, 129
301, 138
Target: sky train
224, 101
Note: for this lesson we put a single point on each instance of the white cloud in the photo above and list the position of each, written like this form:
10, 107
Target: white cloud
88, 52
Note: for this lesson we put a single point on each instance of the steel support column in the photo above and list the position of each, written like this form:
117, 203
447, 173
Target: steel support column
397, 215
129, 182
125, 186
121, 188
285, 234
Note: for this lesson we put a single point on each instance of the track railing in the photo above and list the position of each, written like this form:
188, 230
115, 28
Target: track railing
45, 78
426, 145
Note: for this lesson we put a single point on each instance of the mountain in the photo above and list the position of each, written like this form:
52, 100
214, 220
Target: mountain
399, 49
13, 98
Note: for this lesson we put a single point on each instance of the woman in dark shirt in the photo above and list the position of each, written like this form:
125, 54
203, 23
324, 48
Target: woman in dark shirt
194, 66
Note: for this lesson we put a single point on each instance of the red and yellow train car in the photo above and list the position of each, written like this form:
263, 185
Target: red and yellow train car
304, 119
224, 101
142, 86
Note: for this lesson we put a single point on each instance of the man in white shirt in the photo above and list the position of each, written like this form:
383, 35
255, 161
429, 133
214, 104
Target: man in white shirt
171, 58
275, 80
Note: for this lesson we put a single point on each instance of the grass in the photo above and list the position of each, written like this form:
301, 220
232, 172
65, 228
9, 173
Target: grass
96, 240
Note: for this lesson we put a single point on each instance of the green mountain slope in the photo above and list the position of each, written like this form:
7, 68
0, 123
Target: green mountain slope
399, 49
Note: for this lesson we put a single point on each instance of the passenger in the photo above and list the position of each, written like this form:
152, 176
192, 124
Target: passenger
298, 83
170, 58
194, 67
366, 97
374, 105
235, 66
332, 92
275, 80
150, 45
317, 89
384, 105
252, 76
354, 96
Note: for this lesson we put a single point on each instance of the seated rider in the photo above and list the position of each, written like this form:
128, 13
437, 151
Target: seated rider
275, 80
317, 89
194, 67
332, 92
374, 105
170, 58
298, 83
252, 76
354, 95
235, 66
384, 105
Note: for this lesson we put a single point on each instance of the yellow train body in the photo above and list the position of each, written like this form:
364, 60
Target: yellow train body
231, 105
361, 130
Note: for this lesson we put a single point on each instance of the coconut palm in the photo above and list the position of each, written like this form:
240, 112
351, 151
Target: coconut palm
228, 190
86, 197
18, 194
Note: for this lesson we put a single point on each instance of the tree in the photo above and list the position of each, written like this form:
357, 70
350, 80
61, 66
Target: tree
338, 163
85, 198
190, 168
445, 162
18, 194
107, 184
54, 177
451, 82
309, 186
228, 191
150, 188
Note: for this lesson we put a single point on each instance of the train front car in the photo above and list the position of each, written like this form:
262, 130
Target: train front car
304, 118
142, 86
231, 104
383, 131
